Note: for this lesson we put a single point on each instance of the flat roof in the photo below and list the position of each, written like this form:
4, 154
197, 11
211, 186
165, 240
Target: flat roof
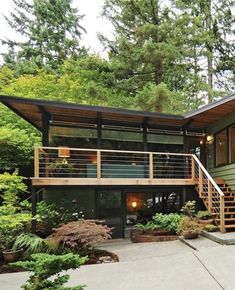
32, 111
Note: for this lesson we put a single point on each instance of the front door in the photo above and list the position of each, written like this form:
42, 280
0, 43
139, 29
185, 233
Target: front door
196, 145
109, 209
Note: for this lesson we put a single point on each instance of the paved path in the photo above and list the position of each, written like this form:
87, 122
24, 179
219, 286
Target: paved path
153, 266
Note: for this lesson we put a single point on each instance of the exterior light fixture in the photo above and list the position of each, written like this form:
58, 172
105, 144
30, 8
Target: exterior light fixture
134, 204
63, 152
209, 139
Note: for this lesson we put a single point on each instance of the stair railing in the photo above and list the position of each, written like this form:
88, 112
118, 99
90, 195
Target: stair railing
209, 191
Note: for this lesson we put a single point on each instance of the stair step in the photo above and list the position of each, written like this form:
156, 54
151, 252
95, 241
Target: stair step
229, 226
227, 219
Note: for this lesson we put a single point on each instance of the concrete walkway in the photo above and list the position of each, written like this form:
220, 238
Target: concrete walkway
153, 266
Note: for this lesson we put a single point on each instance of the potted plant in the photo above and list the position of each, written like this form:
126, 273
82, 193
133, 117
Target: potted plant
204, 217
189, 228
210, 228
12, 255
61, 168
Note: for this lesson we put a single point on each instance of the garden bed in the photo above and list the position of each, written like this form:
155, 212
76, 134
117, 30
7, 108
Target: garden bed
94, 257
148, 237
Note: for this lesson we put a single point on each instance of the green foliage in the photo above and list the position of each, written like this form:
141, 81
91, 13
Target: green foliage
203, 215
167, 222
210, 228
51, 33
189, 208
44, 266
11, 185
16, 147
189, 224
51, 215
13, 220
150, 226
33, 244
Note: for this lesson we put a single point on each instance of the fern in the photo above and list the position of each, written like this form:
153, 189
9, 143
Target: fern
33, 244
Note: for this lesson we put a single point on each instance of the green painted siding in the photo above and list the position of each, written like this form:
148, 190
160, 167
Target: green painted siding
226, 172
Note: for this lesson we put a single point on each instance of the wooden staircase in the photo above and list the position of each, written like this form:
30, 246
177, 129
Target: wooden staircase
229, 205
216, 195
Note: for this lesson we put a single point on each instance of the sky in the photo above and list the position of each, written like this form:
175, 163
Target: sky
92, 22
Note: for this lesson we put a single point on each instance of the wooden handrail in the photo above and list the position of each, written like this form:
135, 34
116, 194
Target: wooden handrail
208, 175
119, 151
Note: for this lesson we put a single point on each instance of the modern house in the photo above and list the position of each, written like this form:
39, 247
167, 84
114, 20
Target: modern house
123, 165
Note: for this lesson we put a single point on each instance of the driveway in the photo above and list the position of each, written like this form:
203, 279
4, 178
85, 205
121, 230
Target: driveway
153, 266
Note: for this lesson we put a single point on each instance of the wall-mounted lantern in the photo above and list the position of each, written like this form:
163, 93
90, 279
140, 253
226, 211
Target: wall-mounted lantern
209, 139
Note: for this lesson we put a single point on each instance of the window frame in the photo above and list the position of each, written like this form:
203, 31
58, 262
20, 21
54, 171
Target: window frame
228, 157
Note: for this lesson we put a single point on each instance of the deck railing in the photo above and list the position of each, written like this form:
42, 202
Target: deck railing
91, 163
74, 163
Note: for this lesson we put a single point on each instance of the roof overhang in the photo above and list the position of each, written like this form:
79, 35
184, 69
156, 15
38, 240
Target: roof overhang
32, 110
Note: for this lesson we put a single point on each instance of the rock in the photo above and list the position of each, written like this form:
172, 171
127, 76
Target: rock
105, 259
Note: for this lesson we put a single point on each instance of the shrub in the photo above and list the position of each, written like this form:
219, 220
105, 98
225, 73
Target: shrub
210, 228
51, 215
78, 235
167, 222
44, 266
188, 224
203, 215
150, 226
189, 208
33, 244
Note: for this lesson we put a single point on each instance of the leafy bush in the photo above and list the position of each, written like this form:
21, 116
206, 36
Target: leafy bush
188, 224
16, 147
210, 228
189, 208
51, 215
80, 235
11, 185
150, 226
13, 220
203, 215
33, 244
167, 222
44, 266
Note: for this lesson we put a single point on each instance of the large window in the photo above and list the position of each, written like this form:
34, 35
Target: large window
225, 146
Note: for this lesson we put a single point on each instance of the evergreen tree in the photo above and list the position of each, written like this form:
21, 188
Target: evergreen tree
147, 51
210, 26
50, 31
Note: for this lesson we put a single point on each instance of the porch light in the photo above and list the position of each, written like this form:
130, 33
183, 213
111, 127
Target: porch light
209, 139
63, 152
134, 204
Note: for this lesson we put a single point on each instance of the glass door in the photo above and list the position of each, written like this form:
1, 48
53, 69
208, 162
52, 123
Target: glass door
109, 209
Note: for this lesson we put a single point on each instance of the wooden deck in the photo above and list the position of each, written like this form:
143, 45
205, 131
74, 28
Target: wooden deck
108, 181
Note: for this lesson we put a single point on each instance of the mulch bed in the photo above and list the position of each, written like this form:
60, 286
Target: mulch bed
94, 258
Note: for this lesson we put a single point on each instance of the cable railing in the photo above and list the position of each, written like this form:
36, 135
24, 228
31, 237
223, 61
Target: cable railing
209, 192
64, 162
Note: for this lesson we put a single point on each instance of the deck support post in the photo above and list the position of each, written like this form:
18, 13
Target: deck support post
34, 209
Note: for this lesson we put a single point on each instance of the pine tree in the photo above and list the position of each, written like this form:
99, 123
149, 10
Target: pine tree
210, 24
50, 31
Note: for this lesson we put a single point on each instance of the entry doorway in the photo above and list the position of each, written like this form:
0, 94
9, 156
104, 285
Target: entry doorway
110, 209
141, 206
196, 145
